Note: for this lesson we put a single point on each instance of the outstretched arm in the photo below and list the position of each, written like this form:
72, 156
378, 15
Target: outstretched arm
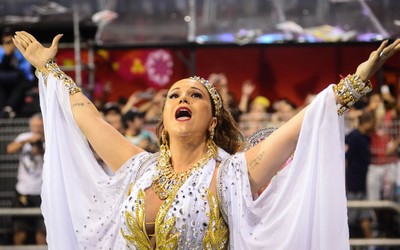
111, 146
265, 159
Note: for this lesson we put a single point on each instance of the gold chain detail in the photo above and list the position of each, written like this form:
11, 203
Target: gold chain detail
350, 90
51, 67
167, 181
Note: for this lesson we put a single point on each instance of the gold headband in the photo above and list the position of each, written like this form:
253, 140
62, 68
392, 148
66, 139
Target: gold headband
213, 93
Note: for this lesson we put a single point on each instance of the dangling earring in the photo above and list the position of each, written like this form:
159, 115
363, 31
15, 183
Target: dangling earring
165, 155
164, 139
211, 146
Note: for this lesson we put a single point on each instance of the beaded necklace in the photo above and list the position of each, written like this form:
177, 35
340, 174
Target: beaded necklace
167, 181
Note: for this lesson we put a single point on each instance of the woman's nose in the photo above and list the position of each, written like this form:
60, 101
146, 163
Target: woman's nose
183, 99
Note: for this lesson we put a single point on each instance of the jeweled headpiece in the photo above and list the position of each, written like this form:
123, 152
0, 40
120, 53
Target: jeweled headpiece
213, 93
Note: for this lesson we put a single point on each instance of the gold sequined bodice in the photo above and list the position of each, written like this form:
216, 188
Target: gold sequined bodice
190, 219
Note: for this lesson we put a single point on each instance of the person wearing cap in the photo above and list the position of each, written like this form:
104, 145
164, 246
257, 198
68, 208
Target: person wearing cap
260, 104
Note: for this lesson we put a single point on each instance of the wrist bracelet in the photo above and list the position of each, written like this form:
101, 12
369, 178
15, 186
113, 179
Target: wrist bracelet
350, 90
51, 67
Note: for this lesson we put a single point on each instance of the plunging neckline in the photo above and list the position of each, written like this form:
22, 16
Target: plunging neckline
179, 218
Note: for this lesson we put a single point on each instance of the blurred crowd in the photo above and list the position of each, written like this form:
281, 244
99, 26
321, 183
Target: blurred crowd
137, 115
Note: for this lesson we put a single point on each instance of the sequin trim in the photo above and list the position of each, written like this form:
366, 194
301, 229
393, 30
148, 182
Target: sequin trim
137, 235
216, 237
51, 67
163, 228
144, 166
222, 171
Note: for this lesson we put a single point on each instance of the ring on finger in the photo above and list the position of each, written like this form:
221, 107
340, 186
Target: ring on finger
383, 55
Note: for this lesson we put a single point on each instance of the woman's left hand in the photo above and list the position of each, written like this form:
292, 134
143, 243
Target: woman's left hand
376, 59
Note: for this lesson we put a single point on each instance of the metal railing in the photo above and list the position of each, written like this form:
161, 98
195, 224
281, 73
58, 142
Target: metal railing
364, 204
23, 212
20, 211
374, 204
26, 247
374, 242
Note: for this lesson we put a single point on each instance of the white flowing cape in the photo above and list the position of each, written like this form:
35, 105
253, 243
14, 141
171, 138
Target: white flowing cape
303, 208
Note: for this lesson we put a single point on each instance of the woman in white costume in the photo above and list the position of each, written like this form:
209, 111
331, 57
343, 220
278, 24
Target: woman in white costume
201, 190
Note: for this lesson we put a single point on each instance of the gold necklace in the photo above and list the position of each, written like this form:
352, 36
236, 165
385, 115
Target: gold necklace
167, 181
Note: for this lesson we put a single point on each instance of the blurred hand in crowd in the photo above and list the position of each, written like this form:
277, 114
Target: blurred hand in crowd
248, 88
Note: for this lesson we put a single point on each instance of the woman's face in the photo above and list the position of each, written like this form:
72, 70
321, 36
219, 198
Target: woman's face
36, 125
187, 110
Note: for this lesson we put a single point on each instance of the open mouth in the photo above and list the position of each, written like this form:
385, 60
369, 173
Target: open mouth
183, 114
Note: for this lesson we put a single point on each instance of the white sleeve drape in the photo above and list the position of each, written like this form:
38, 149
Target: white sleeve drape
80, 203
304, 207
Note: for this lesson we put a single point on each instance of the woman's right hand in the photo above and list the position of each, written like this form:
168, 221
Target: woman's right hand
34, 51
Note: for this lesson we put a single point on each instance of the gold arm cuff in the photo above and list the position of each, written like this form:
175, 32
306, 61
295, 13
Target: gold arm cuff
51, 67
350, 90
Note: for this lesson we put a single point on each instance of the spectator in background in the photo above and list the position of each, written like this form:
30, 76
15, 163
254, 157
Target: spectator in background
137, 98
382, 171
372, 103
254, 114
233, 106
381, 176
134, 122
247, 89
220, 81
15, 76
284, 109
358, 157
258, 117
153, 108
112, 114
396, 124
375, 103
260, 104
29, 180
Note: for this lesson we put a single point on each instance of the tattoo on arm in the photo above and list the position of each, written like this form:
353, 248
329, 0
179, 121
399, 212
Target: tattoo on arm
256, 161
80, 104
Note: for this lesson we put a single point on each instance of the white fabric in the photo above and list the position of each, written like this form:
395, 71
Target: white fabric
29, 177
304, 207
76, 193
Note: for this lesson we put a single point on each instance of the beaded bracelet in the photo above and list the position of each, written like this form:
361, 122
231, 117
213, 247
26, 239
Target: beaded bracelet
350, 90
51, 67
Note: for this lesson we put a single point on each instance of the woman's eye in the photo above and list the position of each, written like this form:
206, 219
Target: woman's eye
197, 95
172, 96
